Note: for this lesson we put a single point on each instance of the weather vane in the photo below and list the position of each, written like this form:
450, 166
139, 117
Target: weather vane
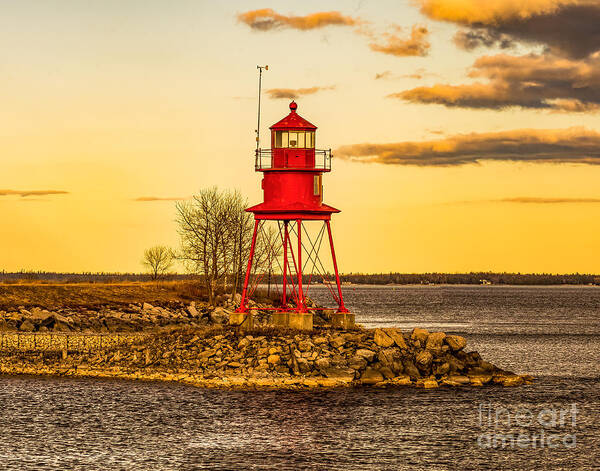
260, 69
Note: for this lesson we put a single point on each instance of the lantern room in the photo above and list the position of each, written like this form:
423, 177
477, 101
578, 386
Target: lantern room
293, 146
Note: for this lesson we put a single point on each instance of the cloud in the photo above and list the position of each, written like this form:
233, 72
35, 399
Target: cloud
575, 145
537, 200
266, 19
529, 81
414, 45
158, 198
293, 93
418, 74
566, 27
26, 193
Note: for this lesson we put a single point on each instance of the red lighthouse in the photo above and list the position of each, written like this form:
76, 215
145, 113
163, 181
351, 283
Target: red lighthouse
293, 194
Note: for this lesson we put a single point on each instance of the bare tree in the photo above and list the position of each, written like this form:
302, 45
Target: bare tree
158, 260
270, 244
214, 236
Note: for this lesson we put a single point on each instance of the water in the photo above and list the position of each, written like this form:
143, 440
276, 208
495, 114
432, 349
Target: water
51, 423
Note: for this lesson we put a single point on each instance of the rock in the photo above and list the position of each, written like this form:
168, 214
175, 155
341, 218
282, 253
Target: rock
303, 365
455, 342
337, 342
411, 370
368, 355
386, 357
459, 379
403, 380
435, 341
430, 384
243, 343
191, 309
273, 359
423, 360
371, 376
305, 345
322, 364
344, 374
320, 340
357, 362
382, 339
147, 308
387, 372
442, 369
419, 334
27, 326
513, 380
397, 337
219, 315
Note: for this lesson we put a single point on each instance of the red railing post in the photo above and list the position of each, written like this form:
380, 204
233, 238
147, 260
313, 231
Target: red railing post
301, 307
341, 307
242, 307
285, 264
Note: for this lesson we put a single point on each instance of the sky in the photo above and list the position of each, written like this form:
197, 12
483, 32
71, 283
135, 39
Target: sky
466, 135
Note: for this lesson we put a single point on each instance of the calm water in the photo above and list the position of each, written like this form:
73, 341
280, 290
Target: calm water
49, 423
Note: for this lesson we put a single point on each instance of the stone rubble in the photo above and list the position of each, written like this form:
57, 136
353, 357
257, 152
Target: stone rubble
223, 357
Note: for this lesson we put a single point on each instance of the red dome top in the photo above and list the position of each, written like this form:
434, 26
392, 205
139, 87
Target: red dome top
294, 121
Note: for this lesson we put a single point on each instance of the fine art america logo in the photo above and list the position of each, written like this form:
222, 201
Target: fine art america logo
547, 427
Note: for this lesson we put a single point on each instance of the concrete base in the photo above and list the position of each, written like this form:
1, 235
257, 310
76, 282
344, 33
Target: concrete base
243, 320
342, 320
293, 320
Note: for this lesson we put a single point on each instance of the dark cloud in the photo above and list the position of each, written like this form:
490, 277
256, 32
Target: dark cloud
573, 145
25, 193
530, 81
293, 93
158, 198
267, 19
566, 27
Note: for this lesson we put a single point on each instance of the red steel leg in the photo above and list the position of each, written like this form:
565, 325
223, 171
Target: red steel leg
242, 307
301, 307
341, 307
285, 264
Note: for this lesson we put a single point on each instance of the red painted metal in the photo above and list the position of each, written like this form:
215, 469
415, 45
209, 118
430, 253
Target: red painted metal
341, 308
242, 307
292, 191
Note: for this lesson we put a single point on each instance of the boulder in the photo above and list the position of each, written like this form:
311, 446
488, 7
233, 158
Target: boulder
386, 357
344, 374
192, 311
387, 372
430, 384
220, 315
435, 341
419, 334
357, 362
423, 360
442, 369
273, 359
411, 370
397, 337
323, 364
382, 339
371, 376
455, 342
305, 345
365, 353
27, 326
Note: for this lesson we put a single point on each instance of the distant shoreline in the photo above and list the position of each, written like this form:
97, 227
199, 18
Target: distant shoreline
348, 279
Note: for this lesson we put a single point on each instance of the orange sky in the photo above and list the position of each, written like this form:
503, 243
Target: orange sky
475, 149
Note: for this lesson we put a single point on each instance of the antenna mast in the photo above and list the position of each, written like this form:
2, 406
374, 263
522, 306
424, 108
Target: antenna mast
260, 71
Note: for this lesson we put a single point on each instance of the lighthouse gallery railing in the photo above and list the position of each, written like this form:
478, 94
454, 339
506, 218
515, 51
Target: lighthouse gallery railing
264, 160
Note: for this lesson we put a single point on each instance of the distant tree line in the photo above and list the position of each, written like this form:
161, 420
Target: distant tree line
473, 278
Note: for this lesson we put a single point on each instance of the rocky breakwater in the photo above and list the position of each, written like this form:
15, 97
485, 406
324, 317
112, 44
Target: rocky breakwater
136, 317
223, 357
